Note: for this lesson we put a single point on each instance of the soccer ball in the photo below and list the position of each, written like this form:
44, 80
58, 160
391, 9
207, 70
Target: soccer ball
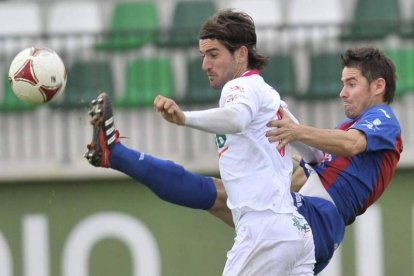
37, 75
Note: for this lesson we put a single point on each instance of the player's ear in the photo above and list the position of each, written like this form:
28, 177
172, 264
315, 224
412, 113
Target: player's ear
379, 86
241, 54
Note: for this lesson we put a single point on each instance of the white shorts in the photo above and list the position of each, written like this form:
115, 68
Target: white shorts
267, 243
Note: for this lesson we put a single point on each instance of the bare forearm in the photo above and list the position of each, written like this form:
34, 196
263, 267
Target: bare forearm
335, 141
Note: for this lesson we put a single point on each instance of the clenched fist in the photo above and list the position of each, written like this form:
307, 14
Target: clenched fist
169, 110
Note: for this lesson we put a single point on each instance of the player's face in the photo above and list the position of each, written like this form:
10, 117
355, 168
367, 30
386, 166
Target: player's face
357, 93
220, 65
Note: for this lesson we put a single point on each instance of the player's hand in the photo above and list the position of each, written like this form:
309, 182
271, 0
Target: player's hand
284, 130
169, 110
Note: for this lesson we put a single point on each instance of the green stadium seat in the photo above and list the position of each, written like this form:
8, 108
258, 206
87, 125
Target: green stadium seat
198, 86
280, 73
146, 78
9, 102
187, 19
325, 77
373, 19
133, 24
404, 61
86, 79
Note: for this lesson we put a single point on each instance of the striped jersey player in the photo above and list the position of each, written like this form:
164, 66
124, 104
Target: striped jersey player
352, 183
355, 182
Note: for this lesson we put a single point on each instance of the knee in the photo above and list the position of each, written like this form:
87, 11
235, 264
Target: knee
221, 199
220, 209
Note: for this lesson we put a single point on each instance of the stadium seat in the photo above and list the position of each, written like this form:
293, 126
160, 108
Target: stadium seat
319, 12
325, 77
316, 20
74, 17
198, 86
267, 15
68, 34
133, 24
187, 19
280, 73
20, 25
86, 80
20, 18
404, 62
9, 101
146, 78
373, 19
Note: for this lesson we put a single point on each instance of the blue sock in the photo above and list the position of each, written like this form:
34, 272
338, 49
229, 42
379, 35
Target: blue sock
168, 180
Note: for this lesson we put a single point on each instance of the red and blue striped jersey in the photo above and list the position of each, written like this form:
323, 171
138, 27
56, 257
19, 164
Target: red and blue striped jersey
356, 182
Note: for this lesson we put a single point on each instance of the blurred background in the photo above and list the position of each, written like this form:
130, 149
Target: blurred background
60, 216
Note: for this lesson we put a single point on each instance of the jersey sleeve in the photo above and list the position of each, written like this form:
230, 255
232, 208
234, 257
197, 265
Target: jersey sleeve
380, 127
227, 119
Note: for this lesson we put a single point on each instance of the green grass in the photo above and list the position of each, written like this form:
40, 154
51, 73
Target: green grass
191, 242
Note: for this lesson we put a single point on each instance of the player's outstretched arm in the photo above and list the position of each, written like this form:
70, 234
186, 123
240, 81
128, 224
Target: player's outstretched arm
334, 141
309, 154
231, 119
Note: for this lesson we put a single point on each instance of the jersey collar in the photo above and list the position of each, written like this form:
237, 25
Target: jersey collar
251, 72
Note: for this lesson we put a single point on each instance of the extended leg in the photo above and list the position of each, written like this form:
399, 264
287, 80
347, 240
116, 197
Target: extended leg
168, 180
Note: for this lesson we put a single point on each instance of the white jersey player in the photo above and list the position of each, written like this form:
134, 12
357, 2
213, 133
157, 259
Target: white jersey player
257, 179
271, 237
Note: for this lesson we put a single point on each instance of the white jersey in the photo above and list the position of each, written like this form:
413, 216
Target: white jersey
255, 174
257, 178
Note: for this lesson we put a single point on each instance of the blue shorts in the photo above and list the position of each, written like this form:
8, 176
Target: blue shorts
326, 223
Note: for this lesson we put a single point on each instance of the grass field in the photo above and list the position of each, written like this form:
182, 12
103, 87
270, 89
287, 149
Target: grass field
189, 242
